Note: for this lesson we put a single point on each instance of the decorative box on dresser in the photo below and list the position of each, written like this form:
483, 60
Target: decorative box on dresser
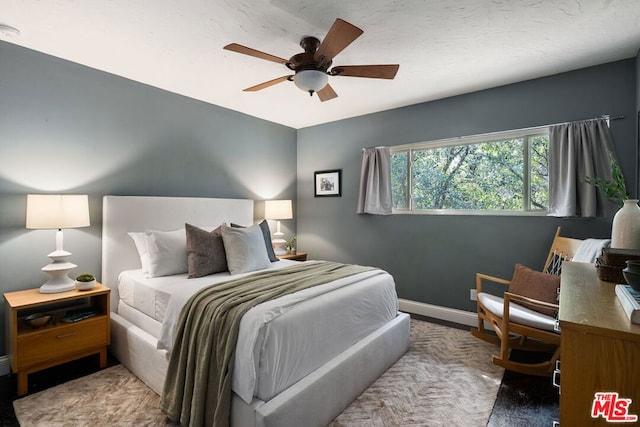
599, 351
31, 350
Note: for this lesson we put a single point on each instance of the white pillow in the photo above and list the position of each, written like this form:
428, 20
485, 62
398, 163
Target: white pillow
245, 249
167, 252
140, 240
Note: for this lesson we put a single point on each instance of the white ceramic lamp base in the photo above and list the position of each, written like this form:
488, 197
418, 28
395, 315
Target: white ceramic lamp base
279, 244
58, 270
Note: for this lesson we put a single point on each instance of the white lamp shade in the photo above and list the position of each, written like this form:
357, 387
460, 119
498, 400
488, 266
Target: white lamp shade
310, 80
278, 209
54, 211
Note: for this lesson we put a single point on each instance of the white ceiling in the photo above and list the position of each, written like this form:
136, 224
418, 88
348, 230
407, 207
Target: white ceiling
444, 47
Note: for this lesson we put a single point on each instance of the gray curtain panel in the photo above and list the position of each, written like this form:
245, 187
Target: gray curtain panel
577, 150
375, 182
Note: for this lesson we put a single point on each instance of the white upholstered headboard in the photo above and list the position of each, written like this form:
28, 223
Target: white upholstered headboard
123, 214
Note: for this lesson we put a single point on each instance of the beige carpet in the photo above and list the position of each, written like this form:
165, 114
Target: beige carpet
446, 379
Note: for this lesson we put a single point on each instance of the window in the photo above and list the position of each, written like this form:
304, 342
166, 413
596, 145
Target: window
503, 172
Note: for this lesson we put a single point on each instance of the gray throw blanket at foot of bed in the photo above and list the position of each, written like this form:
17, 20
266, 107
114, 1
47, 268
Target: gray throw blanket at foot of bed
197, 389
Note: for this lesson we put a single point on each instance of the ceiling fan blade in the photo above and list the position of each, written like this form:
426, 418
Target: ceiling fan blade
326, 93
340, 35
266, 84
234, 47
371, 71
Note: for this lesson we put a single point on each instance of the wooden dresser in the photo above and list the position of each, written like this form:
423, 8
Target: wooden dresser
599, 350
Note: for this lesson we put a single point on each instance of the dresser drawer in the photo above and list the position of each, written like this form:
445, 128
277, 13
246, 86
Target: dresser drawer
62, 340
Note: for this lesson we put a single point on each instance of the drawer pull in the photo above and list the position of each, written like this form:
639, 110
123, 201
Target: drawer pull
556, 380
66, 335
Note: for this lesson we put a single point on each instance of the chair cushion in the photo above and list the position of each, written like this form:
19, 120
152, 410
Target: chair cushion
517, 313
537, 285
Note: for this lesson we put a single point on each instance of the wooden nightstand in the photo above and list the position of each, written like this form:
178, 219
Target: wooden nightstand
300, 256
31, 350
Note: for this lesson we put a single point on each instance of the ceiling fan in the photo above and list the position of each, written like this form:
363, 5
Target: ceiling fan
311, 67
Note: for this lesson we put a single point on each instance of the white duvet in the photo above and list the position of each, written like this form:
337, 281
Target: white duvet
282, 340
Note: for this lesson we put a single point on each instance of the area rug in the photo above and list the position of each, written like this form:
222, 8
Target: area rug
446, 378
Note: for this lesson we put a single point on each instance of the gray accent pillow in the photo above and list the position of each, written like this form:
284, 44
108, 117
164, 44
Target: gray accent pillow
245, 249
266, 233
205, 251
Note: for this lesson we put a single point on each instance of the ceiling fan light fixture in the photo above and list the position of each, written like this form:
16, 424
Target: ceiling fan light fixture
311, 80
311, 67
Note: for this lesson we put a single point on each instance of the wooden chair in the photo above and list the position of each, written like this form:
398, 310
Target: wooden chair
518, 327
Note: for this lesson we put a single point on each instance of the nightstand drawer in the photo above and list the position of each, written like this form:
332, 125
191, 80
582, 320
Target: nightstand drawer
49, 344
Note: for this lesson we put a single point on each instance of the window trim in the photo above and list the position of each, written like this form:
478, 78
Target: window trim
526, 134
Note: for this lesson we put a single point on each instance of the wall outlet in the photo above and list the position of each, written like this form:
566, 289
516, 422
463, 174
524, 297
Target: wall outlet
473, 295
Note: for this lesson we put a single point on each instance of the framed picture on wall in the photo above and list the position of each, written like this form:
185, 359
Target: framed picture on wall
328, 183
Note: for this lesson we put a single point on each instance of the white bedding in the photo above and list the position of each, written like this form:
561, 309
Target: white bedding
151, 295
280, 341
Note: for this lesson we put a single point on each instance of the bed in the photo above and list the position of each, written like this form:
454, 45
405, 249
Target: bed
314, 386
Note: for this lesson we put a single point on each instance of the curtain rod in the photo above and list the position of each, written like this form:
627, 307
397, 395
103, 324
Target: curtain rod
604, 116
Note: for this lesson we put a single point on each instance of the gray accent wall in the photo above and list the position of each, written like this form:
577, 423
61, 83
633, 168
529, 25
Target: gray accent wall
66, 128
434, 258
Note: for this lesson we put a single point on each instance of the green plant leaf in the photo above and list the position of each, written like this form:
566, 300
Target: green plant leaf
616, 189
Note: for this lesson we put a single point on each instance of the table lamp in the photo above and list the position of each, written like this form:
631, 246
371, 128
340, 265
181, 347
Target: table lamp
278, 209
51, 211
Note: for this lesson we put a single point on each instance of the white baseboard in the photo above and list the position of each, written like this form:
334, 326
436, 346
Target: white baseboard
438, 312
4, 365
